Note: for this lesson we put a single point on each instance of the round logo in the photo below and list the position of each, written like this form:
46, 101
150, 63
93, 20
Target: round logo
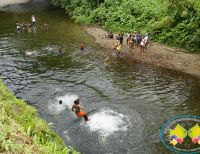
181, 134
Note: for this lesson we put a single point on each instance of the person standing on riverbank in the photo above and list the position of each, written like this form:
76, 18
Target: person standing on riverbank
128, 38
120, 38
146, 40
139, 38
142, 44
135, 39
109, 35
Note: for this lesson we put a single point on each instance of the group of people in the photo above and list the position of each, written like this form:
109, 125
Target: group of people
136, 39
30, 26
133, 40
77, 107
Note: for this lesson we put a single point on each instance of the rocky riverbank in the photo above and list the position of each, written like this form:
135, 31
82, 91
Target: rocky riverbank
156, 54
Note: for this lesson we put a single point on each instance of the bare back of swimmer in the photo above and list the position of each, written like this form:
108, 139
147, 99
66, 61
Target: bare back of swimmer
77, 108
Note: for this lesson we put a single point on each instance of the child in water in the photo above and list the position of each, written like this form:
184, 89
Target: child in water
77, 107
61, 50
46, 26
82, 47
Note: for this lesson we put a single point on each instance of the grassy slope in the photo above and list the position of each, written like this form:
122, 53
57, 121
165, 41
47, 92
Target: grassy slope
22, 131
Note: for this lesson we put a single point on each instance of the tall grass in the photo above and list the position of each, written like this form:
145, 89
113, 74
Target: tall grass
22, 131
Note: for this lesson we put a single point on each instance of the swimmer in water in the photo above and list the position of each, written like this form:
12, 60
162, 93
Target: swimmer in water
60, 102
46, 26
61, 50
106, 61
82, 47
33, 20
77, 108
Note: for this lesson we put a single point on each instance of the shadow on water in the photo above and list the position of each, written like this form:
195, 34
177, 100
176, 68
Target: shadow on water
126, 101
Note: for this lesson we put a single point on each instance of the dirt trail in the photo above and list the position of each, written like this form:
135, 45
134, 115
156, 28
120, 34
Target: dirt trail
156, 54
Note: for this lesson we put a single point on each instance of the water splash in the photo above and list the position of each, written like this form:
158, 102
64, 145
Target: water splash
50, 48
68, 100
66, 135
107, 121
31, 53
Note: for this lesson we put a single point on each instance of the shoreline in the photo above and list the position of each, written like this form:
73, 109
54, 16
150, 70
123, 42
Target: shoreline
156, 54
21, 125
5, 3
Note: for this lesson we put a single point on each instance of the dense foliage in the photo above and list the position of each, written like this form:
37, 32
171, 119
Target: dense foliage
173, 22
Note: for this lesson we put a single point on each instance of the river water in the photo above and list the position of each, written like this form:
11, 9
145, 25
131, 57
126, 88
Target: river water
127, 102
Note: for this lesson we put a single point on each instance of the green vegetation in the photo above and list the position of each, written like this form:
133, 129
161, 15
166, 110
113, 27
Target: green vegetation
172, 22
21, 131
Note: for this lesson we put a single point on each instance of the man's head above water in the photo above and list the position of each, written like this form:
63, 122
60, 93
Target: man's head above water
76, 101
60, 102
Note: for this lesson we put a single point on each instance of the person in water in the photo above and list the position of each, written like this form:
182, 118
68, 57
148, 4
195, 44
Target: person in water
82, 47
77, 108
61, 50
60, 102
18, 26
33, 20
46, 26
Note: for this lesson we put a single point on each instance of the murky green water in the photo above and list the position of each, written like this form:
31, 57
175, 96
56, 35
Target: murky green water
136, 98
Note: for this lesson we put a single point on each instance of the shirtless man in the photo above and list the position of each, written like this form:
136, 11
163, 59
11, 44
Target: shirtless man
77, 108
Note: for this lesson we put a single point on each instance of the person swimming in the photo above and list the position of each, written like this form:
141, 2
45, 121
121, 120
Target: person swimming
106, 61
82, 47
33, 20
142, 44
46, 26
77, 108
18, 26
61, 50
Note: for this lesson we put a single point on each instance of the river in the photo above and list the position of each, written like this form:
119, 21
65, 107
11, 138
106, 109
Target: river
127, 102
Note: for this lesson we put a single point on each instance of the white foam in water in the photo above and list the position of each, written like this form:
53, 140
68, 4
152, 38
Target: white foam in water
68, 101
65, 133
31, 53
49, 48
107, 122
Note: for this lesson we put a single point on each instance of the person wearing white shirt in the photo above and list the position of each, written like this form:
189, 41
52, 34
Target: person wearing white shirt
146, 40
33, 19
142, 44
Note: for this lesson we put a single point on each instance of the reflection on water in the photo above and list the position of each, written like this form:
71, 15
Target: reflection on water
126, 101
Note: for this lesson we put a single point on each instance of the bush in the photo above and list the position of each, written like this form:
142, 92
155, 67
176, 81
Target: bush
173, 22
